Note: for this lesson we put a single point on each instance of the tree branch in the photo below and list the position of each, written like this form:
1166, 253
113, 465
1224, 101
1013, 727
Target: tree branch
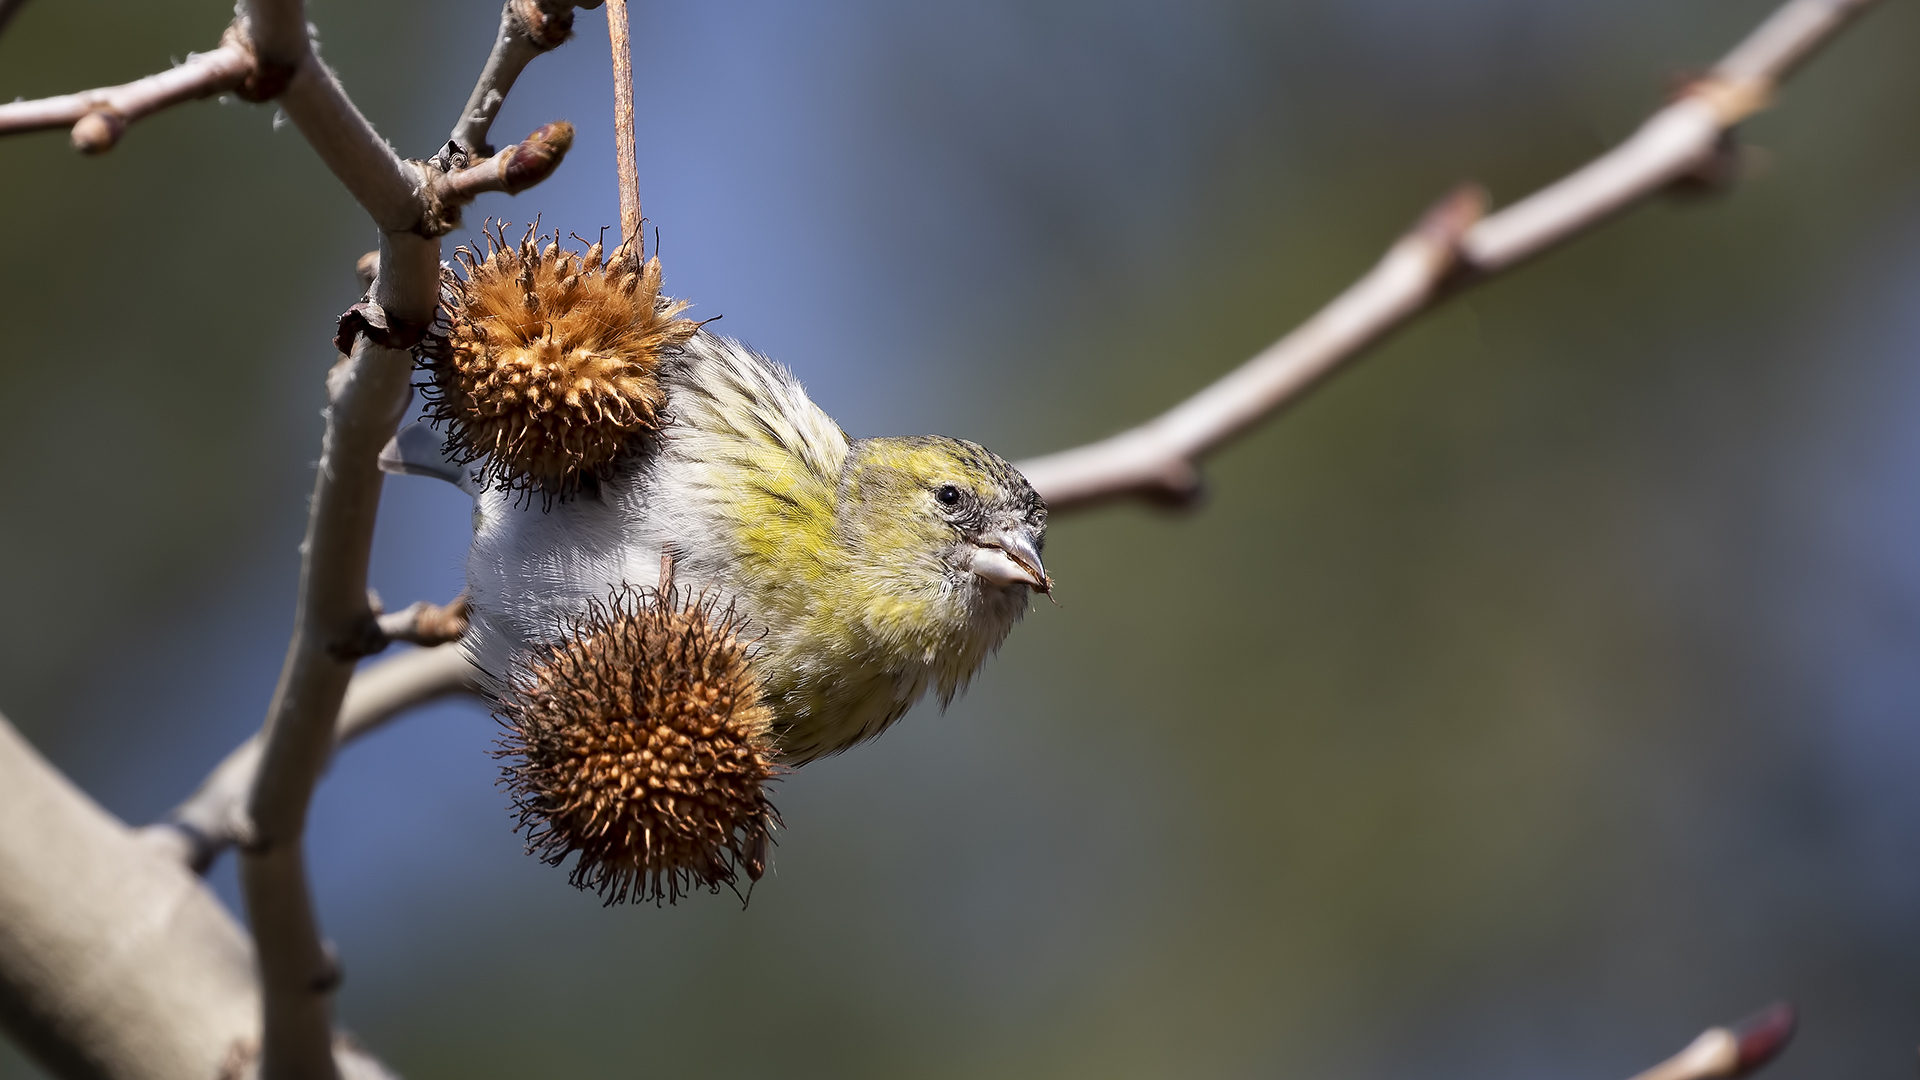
424, 622
527, 29
1451, 248
389, 189
333, 625
116, 962
512, 170
214, 818
1735, 1050
99, 117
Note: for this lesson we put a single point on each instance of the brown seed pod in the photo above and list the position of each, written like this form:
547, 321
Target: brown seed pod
548, 369
640, 742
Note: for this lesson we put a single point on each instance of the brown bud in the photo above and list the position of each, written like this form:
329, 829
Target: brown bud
535, 157
98, 131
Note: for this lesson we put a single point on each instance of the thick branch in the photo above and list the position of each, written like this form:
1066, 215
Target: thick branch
114, 961
268, 54
1159, 459
99, 117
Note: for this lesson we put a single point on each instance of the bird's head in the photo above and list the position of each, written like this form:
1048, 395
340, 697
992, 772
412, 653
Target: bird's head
947, 511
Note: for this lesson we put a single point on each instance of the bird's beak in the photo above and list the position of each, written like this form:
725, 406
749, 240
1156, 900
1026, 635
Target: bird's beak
1008, 557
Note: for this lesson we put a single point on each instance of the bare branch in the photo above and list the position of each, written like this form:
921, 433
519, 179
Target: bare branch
423, 623
1449, 249
99, 117
527, 29
114, 961
214, 817
512, 170
1729, 1051
333, 627
389, 189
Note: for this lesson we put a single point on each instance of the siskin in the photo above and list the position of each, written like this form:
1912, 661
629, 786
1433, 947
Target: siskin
867, 572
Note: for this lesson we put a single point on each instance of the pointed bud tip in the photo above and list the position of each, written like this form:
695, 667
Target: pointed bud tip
1762, 1036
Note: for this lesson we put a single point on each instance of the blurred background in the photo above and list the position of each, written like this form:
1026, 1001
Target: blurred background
1540, 692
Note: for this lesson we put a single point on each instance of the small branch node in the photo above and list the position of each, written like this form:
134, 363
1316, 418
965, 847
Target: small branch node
453, 183
331, 974
364, 639
98, 131
265, 80
427, 623
547, 25
369, 319
1762, 1036
1731, 98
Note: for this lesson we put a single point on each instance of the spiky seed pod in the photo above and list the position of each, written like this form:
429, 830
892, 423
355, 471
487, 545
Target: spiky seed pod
549, 365
640, 742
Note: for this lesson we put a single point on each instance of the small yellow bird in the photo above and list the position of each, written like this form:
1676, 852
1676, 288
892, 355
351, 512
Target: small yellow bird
871, 570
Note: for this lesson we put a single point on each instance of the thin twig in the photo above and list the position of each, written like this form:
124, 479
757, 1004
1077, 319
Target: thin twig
626, 162
1450, 249
527, 29
424, 622
99, 117
214, 818
1734, 1050
512, 170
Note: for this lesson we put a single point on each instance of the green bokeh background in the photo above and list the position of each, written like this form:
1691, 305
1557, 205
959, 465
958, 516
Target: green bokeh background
1530, 698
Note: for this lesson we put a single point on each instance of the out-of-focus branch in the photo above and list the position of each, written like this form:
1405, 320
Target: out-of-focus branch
114, 961
1734, 1050
527, 29
99, 117
1452, 247
214, 817
8, 9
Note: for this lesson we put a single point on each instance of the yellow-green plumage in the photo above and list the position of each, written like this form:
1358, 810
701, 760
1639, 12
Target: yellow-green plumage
867, 585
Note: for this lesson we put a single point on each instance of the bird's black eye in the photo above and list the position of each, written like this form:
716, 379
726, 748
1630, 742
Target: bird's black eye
948, 495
